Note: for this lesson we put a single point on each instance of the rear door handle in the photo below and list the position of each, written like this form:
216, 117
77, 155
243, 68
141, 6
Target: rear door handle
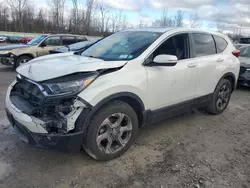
192, 65
220, 60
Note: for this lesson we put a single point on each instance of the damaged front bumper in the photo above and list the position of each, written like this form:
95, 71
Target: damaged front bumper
35, 131
7, 59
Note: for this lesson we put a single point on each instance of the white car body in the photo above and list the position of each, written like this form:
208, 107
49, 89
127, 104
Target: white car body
155, 87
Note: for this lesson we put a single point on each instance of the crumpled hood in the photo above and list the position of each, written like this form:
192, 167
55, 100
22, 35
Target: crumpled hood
14, 46
244, 61
57, 65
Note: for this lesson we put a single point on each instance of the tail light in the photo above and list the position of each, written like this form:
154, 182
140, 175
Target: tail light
236, 53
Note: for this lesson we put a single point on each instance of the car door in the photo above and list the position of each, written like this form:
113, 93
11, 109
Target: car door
207, 59
49, 43
176, 84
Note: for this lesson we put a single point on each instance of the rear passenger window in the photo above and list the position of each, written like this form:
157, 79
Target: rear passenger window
81, 38
67, 40
221, 43
204, 44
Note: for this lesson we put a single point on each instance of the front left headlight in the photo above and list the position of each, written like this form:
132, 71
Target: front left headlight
69, 87
4, 52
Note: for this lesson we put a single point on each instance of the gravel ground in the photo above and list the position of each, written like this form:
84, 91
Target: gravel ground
195, 150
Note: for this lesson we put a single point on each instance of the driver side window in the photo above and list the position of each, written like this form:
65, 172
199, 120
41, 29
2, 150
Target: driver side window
52, 41
176, 45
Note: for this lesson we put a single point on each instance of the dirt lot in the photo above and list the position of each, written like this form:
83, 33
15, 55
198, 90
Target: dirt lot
195, 150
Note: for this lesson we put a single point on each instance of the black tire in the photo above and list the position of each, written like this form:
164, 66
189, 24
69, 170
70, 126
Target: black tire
20, 59
90, 141
213, 107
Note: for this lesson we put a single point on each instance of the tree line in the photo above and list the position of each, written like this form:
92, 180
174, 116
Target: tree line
92, 18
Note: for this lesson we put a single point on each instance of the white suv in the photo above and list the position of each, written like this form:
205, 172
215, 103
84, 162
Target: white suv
97, 99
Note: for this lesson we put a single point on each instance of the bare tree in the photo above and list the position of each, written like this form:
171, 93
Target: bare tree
57, 9
164, 21
17, 15
194, 20
4, 16
103, 11
125, 23
75, 16
114, 18
107, 25
89, 12
179, 19
18, 7
221, 26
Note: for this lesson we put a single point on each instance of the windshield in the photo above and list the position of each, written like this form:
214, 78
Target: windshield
245, 51
120, 46
37, 40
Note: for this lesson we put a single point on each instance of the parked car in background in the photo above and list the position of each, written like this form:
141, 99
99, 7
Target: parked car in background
14, 39
15, 55
25, 40
3, 38
79, 46
244, 40
240, 45
98, 99
244, 77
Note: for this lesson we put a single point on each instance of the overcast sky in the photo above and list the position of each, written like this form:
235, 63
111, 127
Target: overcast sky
236, 13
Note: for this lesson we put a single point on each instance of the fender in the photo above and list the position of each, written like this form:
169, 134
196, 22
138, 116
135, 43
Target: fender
84, 119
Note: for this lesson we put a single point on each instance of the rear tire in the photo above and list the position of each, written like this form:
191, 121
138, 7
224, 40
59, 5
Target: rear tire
21, 60
112, 130
221, 97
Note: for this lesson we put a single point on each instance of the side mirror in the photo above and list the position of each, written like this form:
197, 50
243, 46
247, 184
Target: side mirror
42, 44
165, 59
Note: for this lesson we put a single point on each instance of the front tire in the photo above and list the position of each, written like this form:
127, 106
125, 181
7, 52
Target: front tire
21, 60
221, 97
112, 130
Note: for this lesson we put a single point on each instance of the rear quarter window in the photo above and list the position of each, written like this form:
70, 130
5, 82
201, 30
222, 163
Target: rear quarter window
221, 43
80, 38
67, 40
204, 44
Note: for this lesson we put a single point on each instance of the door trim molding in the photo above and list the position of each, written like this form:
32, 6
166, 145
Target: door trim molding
158, 115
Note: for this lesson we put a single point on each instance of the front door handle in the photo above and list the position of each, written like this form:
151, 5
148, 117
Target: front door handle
191, 65
220, 60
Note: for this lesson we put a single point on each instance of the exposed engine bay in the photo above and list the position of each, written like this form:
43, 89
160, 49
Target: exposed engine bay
56, 114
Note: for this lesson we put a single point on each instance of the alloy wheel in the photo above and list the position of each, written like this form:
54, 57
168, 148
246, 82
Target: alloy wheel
22, 61
114, 133
223, 97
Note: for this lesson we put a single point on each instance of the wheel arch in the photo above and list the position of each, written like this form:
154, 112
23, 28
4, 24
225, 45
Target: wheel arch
231, 77
26, 54
130, 98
